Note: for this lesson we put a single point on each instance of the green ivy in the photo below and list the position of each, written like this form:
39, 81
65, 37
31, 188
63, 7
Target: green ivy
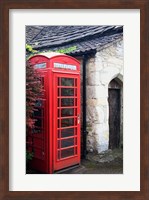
67, 50
31, 52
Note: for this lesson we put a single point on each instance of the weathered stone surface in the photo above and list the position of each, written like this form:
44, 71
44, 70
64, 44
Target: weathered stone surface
99, 63
96, 114
90, 67
107, 74
101, 69
96, 92
101, 91
93, 78
96, 102
91, 60
101, 143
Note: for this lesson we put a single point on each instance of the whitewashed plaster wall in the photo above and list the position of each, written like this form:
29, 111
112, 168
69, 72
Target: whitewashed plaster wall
101, 69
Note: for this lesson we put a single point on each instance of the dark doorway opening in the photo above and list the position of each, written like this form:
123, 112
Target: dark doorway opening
114, 113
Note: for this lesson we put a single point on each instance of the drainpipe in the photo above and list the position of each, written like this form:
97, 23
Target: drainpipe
84, 106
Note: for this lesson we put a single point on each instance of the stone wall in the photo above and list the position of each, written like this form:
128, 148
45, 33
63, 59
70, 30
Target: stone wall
101, 69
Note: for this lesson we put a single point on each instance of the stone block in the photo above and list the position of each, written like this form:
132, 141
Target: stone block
101, 91
115, 62
97, 102
98, 63
93, 78
97, 92
90, 92
101, 144
90, 67
96, 114
107, 74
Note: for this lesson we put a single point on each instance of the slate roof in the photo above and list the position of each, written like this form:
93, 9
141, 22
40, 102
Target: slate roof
84, 38
32, 31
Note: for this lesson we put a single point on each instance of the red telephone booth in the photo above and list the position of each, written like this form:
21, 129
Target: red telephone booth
55, 138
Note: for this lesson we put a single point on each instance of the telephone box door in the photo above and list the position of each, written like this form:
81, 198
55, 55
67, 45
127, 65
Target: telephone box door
66, 102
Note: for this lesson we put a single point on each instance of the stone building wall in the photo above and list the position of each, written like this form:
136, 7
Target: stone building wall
101, 69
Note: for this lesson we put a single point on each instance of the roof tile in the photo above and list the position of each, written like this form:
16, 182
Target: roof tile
85, 38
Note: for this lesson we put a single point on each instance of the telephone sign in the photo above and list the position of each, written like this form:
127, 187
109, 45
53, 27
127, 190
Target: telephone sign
65, 66
40, 66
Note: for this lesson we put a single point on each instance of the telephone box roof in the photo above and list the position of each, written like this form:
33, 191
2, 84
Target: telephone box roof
50, 54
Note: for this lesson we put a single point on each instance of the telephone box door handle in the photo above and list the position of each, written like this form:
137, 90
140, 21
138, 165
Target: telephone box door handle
78, 118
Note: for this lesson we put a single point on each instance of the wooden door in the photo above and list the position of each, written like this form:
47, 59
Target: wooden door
114, 118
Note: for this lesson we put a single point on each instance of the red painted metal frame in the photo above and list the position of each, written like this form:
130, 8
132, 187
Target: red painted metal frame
38, 163
74, 159
49, 164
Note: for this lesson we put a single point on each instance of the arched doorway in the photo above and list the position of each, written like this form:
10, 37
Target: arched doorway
115, 112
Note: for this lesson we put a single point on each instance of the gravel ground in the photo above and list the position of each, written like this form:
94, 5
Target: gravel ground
108, 162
